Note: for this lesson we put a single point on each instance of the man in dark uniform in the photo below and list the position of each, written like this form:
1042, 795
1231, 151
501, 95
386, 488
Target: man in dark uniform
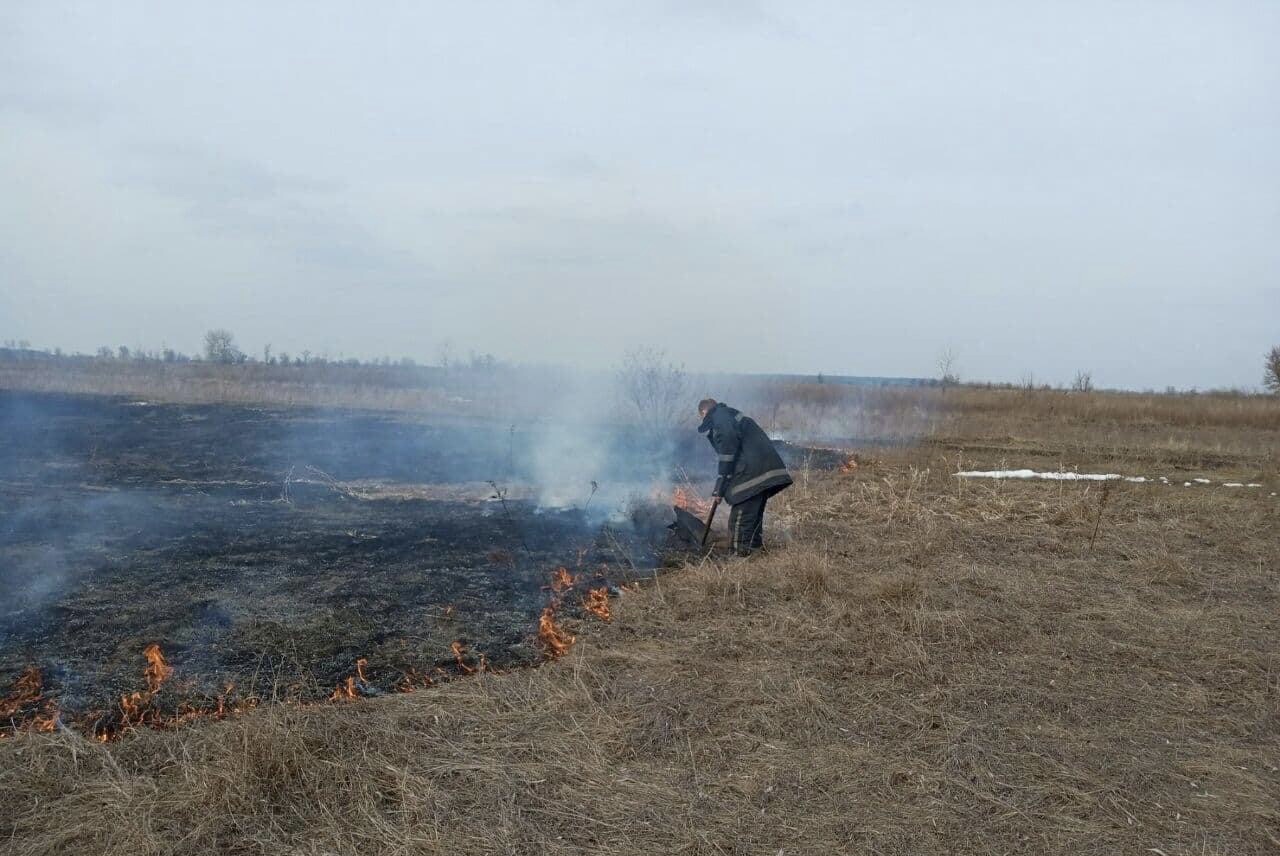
750, 471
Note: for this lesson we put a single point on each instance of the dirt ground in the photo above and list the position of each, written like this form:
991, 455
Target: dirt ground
920, 664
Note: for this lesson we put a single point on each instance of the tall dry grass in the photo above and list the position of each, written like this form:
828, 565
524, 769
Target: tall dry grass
1042, 427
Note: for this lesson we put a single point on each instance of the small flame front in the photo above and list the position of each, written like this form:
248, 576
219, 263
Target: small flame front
556, 641
158, 670
596, 602
688, 499
459, 656
26, 701
27, 690
562, 580
349, 689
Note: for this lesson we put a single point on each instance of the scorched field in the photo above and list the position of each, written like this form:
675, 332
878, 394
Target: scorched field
921, 663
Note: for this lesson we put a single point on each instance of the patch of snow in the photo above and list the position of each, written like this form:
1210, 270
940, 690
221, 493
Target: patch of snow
1074, 476
1032, 474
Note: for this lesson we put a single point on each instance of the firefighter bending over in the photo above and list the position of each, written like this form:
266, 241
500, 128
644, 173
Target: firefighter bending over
750, 471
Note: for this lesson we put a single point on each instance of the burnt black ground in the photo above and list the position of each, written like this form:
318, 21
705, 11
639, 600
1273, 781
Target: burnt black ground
124, 524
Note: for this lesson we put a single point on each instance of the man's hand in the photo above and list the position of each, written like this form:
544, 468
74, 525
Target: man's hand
721, 484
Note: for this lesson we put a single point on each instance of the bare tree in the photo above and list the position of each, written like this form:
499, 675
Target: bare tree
655, 388
947, 366
1083, 382
1271, 375
220, 347
444, 354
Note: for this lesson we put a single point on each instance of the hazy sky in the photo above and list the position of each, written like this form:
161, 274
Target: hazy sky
793, 187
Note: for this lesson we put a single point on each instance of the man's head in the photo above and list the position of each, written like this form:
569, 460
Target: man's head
705, 406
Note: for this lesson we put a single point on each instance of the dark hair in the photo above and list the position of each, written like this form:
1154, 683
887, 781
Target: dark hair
706, 404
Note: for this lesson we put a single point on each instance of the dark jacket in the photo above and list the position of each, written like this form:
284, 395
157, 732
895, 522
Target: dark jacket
747, 455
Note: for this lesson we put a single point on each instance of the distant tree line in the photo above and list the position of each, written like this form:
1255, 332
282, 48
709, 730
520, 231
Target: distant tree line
220, 347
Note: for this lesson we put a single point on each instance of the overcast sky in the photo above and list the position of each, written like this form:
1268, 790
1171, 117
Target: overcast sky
773, 187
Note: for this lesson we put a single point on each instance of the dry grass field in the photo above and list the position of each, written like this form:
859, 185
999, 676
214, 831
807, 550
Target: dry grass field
921, 664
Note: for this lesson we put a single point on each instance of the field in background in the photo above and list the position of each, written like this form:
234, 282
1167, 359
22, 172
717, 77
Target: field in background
1046, 427
923, 665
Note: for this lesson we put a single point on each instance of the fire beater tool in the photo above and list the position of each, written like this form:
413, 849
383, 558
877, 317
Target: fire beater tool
715, 503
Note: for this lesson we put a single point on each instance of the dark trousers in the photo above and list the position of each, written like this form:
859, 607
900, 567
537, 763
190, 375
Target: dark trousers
746, 524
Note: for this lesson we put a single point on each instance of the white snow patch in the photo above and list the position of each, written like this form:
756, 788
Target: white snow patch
1048, 476
1032, 474
1074, 476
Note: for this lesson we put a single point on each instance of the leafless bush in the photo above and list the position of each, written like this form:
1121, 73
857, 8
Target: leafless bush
655, 389
1271, 374
947, 374
220, 347
1083, 382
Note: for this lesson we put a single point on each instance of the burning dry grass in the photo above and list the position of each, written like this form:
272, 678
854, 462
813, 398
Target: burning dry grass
929, 666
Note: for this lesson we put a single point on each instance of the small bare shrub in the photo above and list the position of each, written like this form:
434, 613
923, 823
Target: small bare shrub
1083, 382
947, 374
656, 390
1271, 373
220, 347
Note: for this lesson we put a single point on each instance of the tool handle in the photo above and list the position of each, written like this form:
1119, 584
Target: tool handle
706, 533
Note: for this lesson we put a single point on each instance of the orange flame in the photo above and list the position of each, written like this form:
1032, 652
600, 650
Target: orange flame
689, 500
349, 689
27, 690
220, 711
136, 708
850, 465
411, 680
345, 691
562, 580
158, 671
458, 654
597, 603
47, 722
555, 639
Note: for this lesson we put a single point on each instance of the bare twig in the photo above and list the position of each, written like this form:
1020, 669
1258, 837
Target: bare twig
1102, 502
501, 494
